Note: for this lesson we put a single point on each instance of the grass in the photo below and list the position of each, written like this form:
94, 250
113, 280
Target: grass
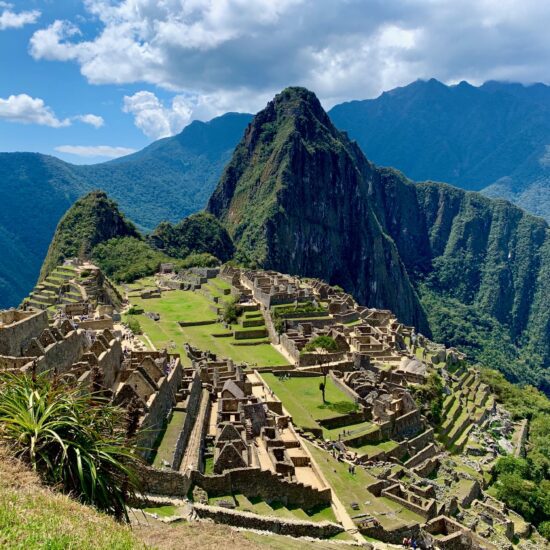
374, 449
165, 451
276, 509
353, 488
302, 399
162, 511
33, 517
356, 429
189, 306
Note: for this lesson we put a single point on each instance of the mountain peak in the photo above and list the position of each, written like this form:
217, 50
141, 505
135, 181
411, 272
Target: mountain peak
92, 219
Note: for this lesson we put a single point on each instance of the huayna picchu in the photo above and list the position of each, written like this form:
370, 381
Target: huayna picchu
315, 355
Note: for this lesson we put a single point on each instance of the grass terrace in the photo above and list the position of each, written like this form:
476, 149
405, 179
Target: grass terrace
195, 307
277, 509
352, 488
303, 400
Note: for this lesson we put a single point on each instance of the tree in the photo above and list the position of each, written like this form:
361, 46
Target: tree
322, 387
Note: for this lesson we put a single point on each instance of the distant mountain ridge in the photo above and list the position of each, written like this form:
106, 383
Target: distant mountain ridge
168, 180
299, 197
493, 138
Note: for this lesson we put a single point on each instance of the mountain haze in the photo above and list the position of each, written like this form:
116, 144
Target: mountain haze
298, 196
168, 180
495, 137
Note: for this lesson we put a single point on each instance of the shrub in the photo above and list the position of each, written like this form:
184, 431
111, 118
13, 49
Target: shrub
135, 310
323, 342
231, 311
74, 441
133, 324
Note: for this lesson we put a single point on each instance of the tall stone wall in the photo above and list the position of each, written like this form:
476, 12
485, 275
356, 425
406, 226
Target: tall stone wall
61, 355
193, 404
159, 408
18, 328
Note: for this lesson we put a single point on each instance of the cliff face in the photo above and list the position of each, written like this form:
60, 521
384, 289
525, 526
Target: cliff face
298, 196
91, 220
295, 198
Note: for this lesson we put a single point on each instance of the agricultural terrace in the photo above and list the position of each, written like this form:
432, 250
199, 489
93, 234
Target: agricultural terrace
352, 489
303, 400
196, 307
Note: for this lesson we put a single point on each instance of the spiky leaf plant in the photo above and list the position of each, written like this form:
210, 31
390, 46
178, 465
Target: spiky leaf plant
74, 440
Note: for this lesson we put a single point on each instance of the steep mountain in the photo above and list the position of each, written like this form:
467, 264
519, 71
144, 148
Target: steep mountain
168, 180
197, 234
298, 196
91, 220
295, 198
494, 137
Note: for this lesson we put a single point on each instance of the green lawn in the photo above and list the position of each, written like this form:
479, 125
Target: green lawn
374, 448
355, 429
350, 488
277, 509
165, 450
303, 400
188, 306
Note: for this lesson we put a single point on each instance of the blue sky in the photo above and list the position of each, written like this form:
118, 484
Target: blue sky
88, 80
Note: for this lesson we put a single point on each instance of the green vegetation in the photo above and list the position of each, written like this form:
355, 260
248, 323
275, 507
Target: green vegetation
34, 517
231, 311
321, 342
187, 306
91, 220
352, 488
302, 399
482, 338
126, 259
199, 233
165, 450
133, 324
275, 508
75, 441
524, 483
429, 397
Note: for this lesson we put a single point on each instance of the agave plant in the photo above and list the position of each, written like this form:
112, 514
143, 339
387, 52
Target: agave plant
74, 440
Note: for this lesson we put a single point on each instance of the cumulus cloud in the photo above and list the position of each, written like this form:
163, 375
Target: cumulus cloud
25, 109
230, 52
93, 120
106, 151
29, 110
10, 19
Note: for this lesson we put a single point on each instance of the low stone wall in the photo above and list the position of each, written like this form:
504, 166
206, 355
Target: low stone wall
340, 384
96, 324
422, 455
246, 334
425, 469
420, 441
393, 536
473, 493
195, 323
163, 482
345, 420
281, 526
522, 438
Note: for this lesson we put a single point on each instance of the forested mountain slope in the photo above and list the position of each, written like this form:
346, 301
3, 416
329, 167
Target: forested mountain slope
298, 196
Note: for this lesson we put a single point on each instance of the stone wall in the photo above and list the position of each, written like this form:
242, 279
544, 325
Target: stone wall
420, 441
159, 408
253, 482
281, 526
17, 328
62, 354
393, 536
110, 361
163, 482
193, 403
427, 452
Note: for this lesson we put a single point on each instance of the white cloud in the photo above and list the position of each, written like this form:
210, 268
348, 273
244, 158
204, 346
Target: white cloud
95, 150
93, 120
29, 110
228, 51
157, 120
15, 20
25, 109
